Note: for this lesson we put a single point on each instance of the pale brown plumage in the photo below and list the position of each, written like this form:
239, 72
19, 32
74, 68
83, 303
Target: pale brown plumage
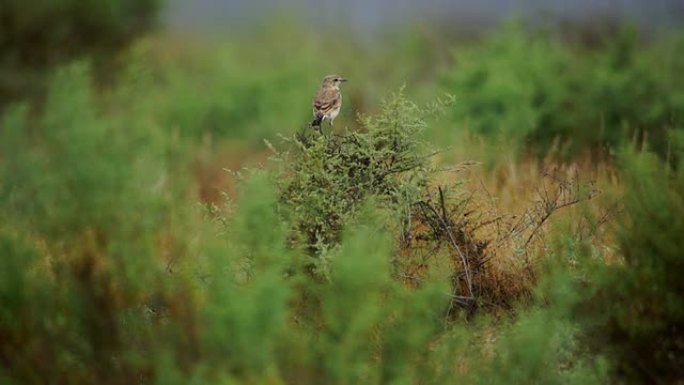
328, 100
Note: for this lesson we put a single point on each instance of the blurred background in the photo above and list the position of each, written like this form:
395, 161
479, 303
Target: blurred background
545, 76
373, 16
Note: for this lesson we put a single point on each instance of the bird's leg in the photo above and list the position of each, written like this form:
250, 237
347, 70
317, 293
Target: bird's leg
330, 122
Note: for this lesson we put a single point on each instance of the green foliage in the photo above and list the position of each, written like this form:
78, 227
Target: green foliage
536, 89
81, 207
635, 308
37, 36
81, 171
328, 178
107, 277
230, 96
109, 274
247, 292
510, 85
256, 85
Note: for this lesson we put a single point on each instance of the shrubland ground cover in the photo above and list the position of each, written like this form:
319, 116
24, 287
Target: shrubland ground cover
512, 214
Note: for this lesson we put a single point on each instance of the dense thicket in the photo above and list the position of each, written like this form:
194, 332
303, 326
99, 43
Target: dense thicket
634, 309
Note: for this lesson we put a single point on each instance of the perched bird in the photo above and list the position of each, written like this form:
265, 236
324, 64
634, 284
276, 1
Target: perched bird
328, 100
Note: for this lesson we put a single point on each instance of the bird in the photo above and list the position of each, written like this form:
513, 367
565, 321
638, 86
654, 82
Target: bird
328, 101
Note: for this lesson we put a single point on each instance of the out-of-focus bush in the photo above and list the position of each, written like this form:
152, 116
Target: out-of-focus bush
85, 200
238, 93
241, 87
254, 85
545, 94
38, 35
510, 85
634, 309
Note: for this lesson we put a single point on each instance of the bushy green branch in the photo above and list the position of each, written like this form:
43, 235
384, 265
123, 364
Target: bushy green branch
328, 177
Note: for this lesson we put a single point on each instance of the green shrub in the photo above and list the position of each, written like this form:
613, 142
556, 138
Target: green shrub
534, 89
247, 292
328, 178
513, 84
83, 201
634, 308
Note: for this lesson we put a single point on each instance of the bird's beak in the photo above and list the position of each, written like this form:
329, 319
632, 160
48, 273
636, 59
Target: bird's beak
343, 79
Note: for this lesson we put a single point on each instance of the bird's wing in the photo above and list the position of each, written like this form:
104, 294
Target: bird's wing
326, 100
